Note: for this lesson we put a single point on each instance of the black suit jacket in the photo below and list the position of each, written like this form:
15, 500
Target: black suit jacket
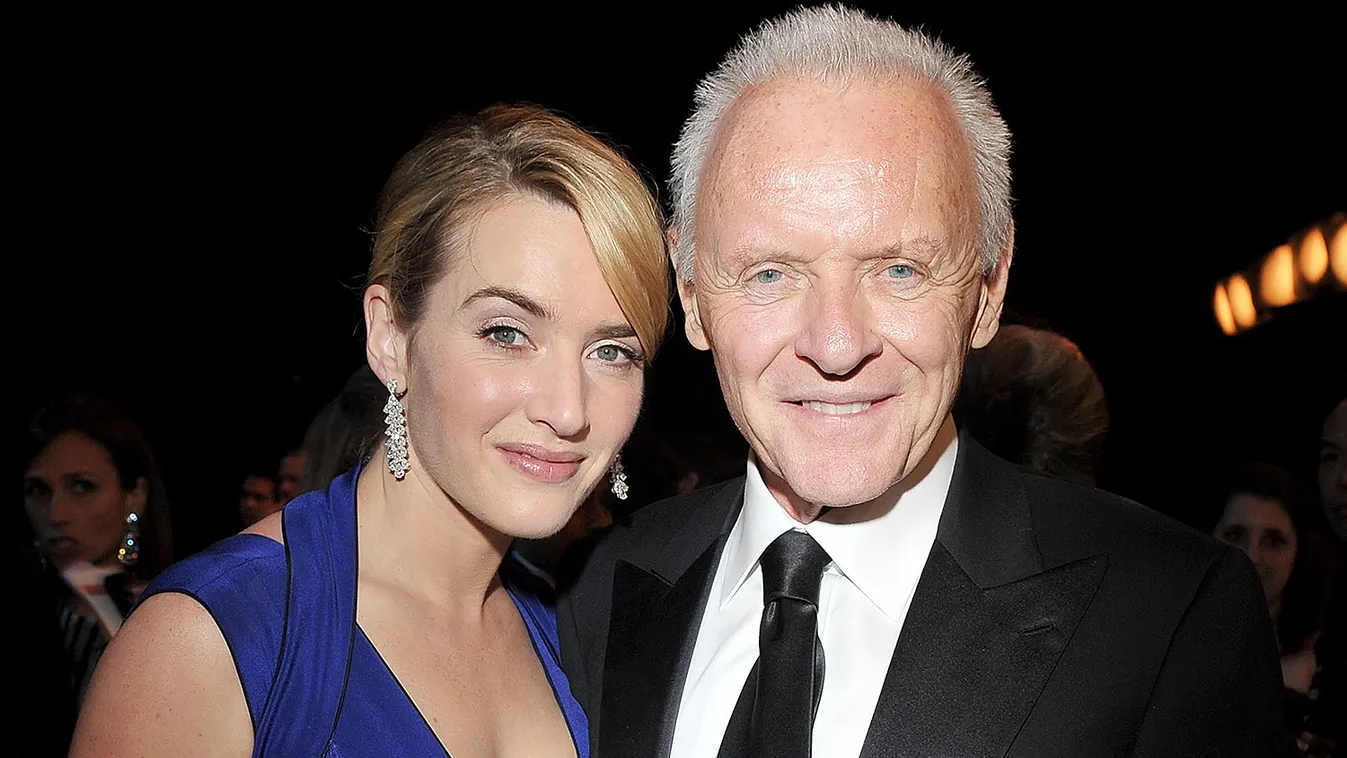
1049, 620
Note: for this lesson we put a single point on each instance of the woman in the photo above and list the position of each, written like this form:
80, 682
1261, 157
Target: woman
101, 528
517, 290
1268, 516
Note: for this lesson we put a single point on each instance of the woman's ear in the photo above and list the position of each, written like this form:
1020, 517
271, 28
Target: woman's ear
138, 497
385, 343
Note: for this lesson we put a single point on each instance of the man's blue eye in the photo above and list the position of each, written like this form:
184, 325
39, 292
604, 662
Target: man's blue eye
901, 271
770, 276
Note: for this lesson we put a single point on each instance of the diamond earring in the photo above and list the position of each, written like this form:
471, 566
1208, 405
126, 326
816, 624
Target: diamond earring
129, 551
395, 416
618, 476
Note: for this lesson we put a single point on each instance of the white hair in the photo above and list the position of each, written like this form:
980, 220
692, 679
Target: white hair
835, 43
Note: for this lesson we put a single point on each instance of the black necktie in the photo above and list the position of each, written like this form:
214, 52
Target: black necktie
774, 717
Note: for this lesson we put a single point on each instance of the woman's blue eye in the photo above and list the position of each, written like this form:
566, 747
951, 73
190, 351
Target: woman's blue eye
901, 271
770, 276
505, 335
617, 354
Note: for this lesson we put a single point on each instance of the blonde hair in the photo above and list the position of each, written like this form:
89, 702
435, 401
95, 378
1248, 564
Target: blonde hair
473, 162
842, 44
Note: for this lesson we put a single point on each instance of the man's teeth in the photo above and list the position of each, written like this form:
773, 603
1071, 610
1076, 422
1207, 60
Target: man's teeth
835, 409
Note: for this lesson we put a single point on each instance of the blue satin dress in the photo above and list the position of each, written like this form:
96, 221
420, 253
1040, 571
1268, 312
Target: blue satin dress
314, 683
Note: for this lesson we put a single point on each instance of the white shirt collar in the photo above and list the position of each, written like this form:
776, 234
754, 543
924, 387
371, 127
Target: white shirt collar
880, 546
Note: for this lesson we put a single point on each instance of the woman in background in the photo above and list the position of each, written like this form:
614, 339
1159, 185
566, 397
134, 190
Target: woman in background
517, 291
100, 522
1270, 516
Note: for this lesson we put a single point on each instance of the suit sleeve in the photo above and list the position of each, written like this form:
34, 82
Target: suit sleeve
1219, 690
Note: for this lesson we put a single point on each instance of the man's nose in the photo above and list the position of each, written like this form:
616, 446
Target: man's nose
838, 335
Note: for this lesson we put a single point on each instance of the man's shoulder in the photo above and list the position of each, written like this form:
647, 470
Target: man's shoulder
696, 517
1072, 521
663, 538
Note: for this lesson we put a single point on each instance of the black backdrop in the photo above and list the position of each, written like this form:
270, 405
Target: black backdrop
190, 214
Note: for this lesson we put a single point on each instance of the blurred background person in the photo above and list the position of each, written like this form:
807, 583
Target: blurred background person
101, 524
258, 497
343, 432
1032, 398
288, 472
1270, 516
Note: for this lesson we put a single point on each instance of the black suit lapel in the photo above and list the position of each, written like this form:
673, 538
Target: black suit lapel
986, 626
656, 613
971, 662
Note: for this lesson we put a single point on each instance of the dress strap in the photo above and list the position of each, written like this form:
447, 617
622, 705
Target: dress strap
540, 619
305, 700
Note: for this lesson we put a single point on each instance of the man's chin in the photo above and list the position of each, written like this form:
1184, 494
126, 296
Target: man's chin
827, 489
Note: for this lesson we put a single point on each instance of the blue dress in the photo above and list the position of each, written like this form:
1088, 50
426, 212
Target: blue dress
313, 682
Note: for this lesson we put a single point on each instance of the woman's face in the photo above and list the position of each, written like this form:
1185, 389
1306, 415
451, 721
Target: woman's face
1261, 528
75, 502
523, 377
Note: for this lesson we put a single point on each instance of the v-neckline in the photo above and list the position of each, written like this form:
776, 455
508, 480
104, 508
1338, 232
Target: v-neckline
533, 641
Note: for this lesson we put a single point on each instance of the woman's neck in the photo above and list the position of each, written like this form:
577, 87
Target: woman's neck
414, 538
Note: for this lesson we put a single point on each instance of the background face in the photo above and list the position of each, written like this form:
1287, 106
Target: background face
836, 280
1148, 163
257, 498
75, 501
521, 379
1261, 528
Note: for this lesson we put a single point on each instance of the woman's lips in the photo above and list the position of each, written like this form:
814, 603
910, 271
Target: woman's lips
541, 464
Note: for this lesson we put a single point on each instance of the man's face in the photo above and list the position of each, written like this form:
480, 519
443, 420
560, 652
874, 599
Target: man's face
292, 466
836, 281
257, 498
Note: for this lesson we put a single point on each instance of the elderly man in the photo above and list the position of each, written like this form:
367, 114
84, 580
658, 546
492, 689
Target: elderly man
878, 585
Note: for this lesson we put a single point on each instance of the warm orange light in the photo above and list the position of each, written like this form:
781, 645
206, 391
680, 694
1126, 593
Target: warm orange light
1277, 283
1337, 255
1223, 315
1313, 256
1241, 301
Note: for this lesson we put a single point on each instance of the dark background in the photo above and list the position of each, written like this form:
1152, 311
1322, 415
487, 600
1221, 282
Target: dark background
190, 213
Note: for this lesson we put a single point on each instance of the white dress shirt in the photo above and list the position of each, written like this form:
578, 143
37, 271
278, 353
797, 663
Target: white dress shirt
878, 551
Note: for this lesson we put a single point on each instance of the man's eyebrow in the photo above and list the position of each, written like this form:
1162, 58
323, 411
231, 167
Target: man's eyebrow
921, 247
514, 296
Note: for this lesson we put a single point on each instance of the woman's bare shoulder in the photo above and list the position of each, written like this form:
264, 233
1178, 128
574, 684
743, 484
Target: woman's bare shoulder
166, 685
270, 526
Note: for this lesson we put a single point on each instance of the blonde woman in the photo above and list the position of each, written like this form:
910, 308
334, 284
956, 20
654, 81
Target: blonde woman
517, 292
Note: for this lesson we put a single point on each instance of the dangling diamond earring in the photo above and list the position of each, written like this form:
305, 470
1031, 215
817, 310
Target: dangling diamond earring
396, 418
129, 552
618, 475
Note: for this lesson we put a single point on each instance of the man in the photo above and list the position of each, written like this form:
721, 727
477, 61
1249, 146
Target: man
257, 498
842, 237
287, 476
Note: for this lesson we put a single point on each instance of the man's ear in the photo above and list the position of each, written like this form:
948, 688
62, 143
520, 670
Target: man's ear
385, 343
993, 295
687, 296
